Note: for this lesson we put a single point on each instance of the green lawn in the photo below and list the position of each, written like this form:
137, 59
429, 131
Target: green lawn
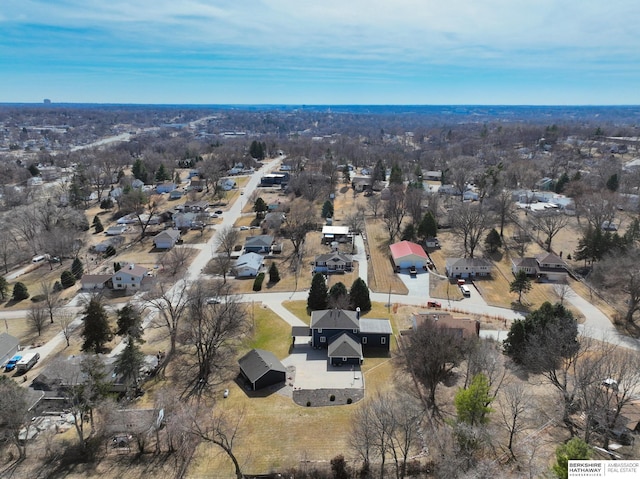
270, 332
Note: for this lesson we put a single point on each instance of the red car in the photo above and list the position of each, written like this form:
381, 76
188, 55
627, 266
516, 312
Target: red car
434, 304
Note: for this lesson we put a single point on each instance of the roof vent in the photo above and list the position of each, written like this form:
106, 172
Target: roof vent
131, 266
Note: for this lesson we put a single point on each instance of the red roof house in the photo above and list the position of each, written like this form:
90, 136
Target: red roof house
406, 254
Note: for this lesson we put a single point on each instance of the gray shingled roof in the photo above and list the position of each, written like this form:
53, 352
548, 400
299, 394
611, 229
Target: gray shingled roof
260, 240
258, 362
344, 345
334, 319
7, 343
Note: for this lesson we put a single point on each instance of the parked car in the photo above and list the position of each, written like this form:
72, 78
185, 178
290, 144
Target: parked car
213, 301
226, 393
413, 271
434, 304
244, 228
11, 364
218, 212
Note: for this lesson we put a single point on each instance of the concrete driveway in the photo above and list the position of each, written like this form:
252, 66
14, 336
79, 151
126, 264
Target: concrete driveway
417, 285
313, 371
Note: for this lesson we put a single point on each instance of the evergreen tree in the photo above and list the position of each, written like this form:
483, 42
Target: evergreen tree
379, 172
553, 324
493, 242
20, 291
129, 323
176, 179
408, 233
67, 279
327, 209
4, 288
396, 178
110, 251
97, 224
574, 449
129, 362
33, 169
359, 296
521, 284
613, 183
472, 404
162, 174
77, 268
338, 293
257, 150
260, 207
106, 204
428, 228
561, 183
96, 330
139, 171
274, 274
317, 299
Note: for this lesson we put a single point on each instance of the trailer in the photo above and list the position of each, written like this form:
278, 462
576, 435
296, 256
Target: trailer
28, 361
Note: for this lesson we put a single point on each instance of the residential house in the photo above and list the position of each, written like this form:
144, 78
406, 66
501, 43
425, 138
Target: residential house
166, 239
9, 346
406, 254
195, 206
196, 184
345, 334
432, 243
332, 263
274, 179
463, 327
227, 184
184, 220
273, 220
544, 184
467, 267
258, 244
336, 233
130, 278
175, 195
432, 175
91, 282
544, 267
116, 230
248, 265
261, 369
137, 184
166, 187
361, 183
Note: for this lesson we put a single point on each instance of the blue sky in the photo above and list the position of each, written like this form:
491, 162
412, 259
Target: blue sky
322, 52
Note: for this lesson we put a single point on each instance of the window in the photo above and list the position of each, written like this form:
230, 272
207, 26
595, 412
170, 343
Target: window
323, 339
344, 360
383, 340
364, 340
320, 330
355, 331
118, 278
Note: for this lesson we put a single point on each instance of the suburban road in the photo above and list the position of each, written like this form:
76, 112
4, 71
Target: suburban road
596, 324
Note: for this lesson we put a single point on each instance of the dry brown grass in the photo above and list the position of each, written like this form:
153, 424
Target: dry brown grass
382, 277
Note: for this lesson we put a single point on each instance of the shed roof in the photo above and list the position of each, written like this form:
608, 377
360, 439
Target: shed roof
407, 248
7, 343
375, 326
258, 362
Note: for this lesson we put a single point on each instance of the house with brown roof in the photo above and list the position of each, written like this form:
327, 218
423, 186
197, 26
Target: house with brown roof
544, 267
464, 327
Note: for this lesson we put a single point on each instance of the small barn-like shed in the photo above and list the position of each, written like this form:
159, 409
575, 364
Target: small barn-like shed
261, 368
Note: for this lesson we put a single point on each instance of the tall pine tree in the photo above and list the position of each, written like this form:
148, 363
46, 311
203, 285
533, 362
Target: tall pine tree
317, 299
96, 332
359, 296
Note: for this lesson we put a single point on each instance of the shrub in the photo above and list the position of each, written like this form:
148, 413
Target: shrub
349, 400
77, 268
308, 403
67, 279
20, 291
110, 251
257, 283
38, 297
57, 287
332, 397
274, 274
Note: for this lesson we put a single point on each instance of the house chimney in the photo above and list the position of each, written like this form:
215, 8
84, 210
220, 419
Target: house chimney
131, 265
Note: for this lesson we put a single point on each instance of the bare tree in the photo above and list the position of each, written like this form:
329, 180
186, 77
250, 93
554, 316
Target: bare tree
598, 207
504, 208
7, 248
211, 330
550, 223
461, 171
430, 354
614, 276
215, 428
169, 305
355, 221
515, 407
413, 203
373, 204
226, 239
51, 298
470, 221
65, 320
14, 410
394, 212
37, 316
299, 221
177, 259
